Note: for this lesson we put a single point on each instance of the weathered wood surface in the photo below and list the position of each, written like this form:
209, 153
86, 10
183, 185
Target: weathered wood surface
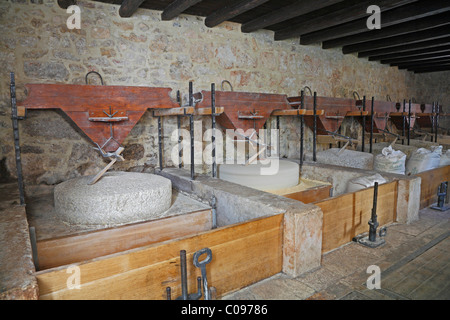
431, 180
242, 254
244, 104
79, 102
347, 216
71, 249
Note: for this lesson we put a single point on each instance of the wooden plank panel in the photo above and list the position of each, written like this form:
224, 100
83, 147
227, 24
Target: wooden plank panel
242, 254
311, 195
66, 250
346, 216
430, 182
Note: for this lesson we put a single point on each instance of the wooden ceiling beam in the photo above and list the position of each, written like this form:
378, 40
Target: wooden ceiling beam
427, 34
289, 12
64, 4
177, 7
415, 58
437, 60
129, 7
413, 11
350, 13
431, 69
405, 47
231, 11
410, 53
436, 63
384, 32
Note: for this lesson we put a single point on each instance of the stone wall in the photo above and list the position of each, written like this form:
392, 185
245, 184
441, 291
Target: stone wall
145, 51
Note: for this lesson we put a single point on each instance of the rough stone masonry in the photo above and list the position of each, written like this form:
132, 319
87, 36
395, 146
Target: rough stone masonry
145, 51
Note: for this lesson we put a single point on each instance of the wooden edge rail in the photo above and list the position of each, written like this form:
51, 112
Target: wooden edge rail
186, 111
297, 112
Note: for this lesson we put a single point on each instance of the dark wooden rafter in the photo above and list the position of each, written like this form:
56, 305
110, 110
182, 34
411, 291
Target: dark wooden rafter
416, 53
405, 47
416, 58
384, 32
231, 11
294, 10
418, 63
355, 11
423, 64
396, 40
129, 7
431, 69
64, 4
402, 14
176, 8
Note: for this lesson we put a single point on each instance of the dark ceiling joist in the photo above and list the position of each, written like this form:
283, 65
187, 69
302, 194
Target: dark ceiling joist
231, 11
64, 4
410, 53
129, 7
423, 65
353, 12
431, 69
419, 57
419, 62
402, 14
427, 34
405, 47
176, 8
397, 29
289, 12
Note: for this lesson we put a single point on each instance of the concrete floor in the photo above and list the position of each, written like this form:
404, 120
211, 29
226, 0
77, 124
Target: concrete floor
414, 264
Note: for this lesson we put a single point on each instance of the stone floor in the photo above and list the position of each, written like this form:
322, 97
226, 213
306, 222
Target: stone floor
414, 264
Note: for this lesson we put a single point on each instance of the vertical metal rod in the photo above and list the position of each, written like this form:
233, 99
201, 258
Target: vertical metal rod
180, 150
191, 129
214, 212
160, 143
404, 121
278, 135
315, 128
15, 125
409, 123
433, 108
169, 293
302, 127
373, 221
363, 145
183, 268
213, 137
438, 107
371, 123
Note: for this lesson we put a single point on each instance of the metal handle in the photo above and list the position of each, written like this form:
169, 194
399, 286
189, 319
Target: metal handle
199, 253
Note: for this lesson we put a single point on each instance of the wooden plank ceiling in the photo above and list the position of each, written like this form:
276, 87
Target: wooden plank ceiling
414, 34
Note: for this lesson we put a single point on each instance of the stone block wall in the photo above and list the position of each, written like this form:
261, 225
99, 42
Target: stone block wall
145, 51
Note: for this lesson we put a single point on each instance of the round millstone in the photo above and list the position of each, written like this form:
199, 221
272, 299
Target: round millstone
117, 198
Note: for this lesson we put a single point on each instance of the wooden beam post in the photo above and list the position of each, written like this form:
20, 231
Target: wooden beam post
129, 7
231, 11
176, 8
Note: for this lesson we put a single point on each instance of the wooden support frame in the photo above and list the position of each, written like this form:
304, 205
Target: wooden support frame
242, 254
347, 216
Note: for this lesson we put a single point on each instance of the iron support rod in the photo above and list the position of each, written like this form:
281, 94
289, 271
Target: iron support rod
373, 221
363, 145
191, 129
409, 123
371, 123
278, 136
160, 143
404, 121
15, 125
302, 128
438, 107
213, 137
180, 149
184, 283
315, 128
433, 110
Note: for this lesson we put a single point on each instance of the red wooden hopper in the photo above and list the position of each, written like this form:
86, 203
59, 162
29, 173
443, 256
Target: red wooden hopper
244, 110
106, 114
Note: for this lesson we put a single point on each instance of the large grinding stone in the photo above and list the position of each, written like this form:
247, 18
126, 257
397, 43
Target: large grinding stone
286, 176
117, 198
348, 158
